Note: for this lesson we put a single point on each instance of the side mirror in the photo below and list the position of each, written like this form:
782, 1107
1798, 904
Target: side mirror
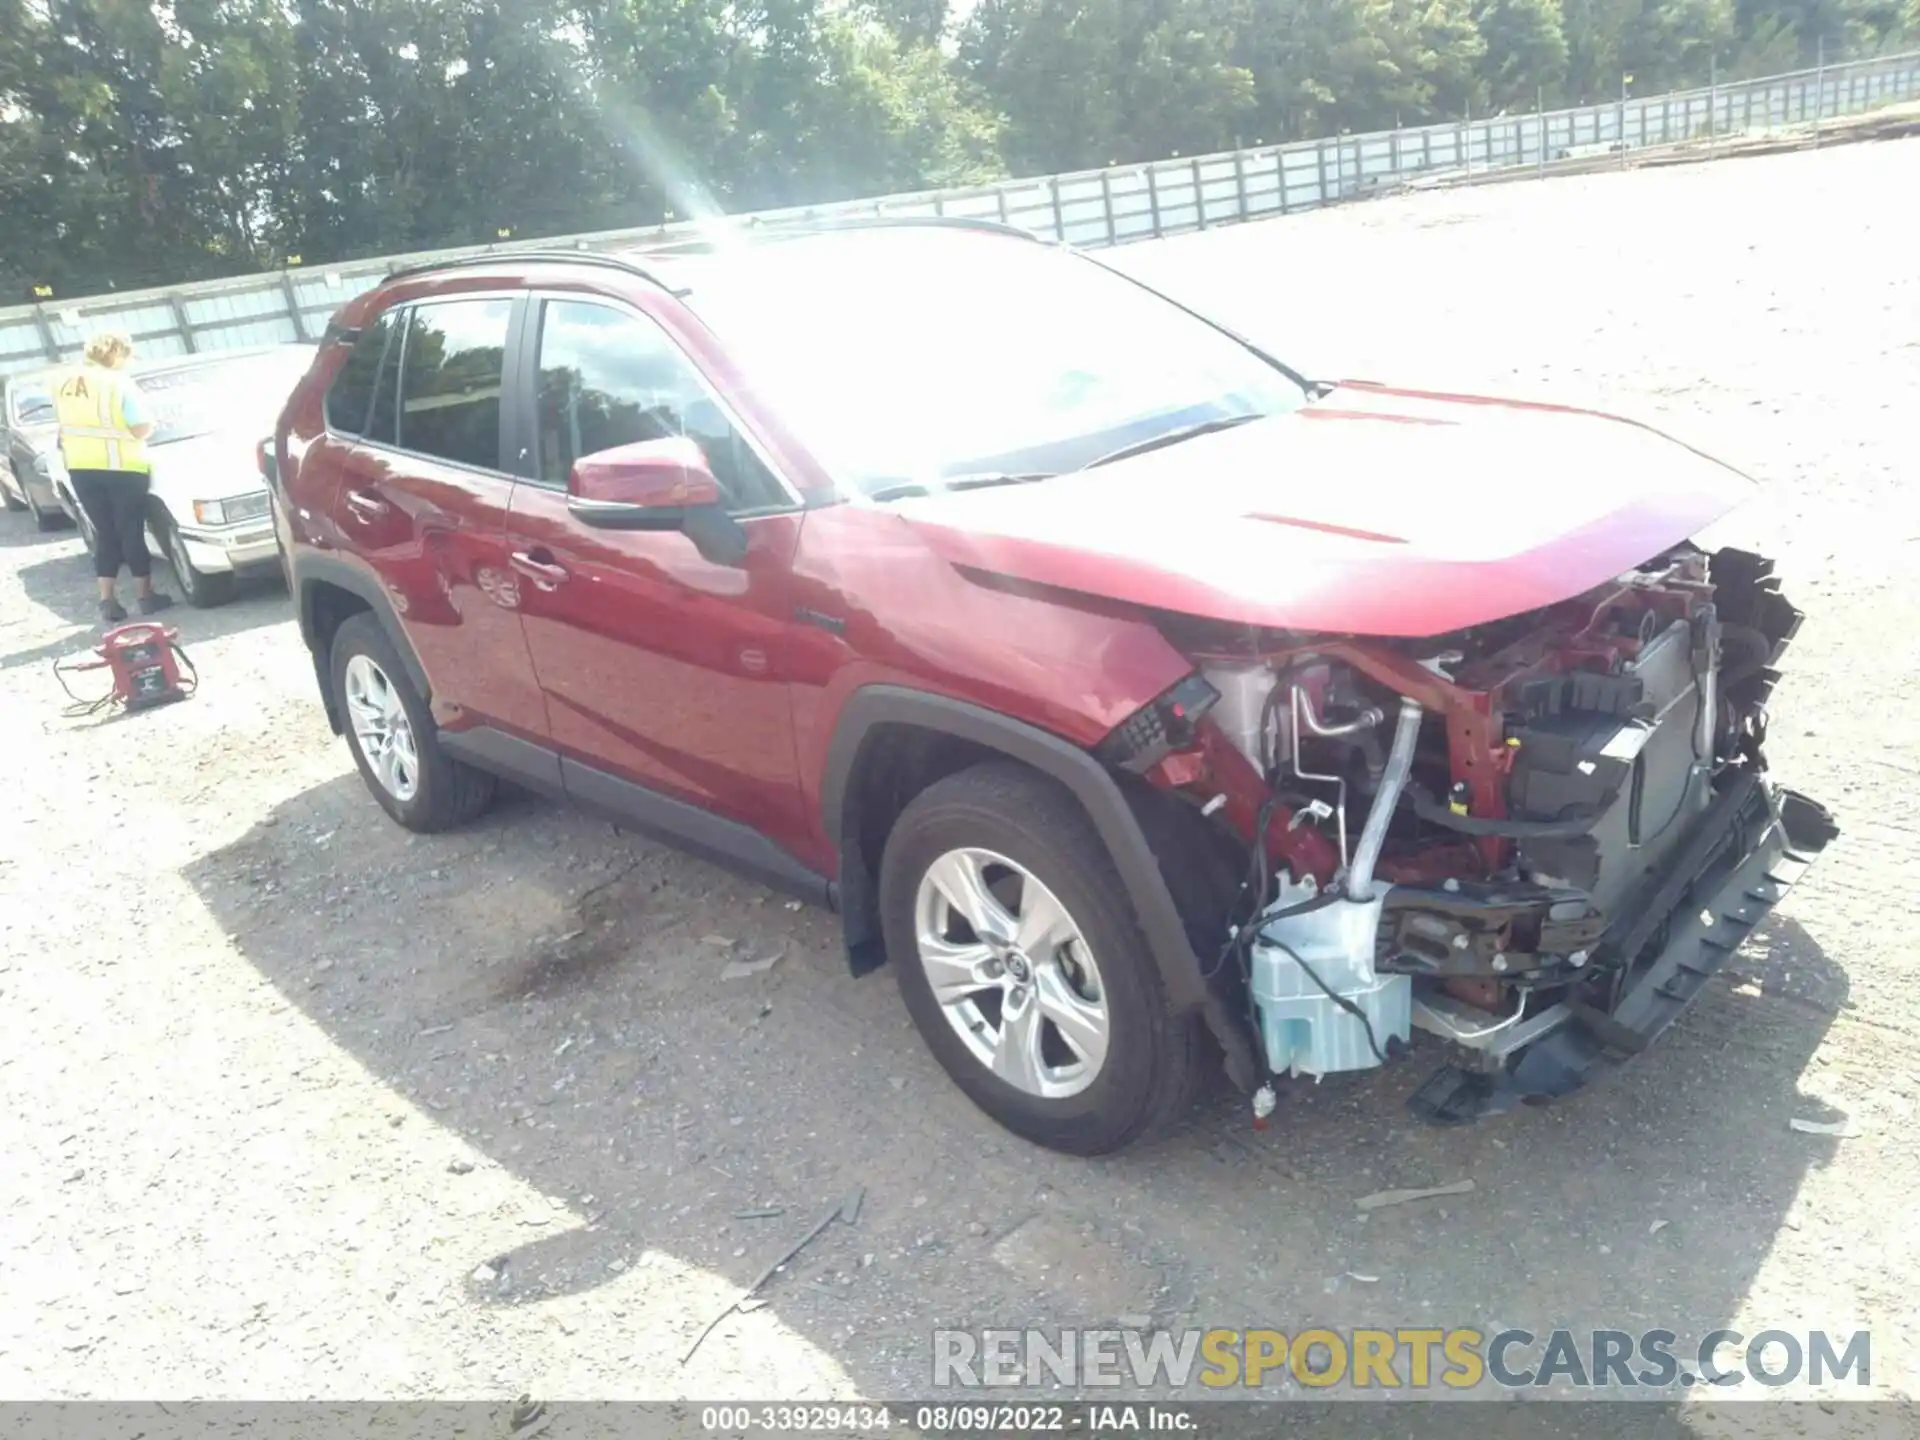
656, 485
667, 474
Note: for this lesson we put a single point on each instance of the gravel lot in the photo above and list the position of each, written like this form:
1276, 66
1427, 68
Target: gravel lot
294, 1105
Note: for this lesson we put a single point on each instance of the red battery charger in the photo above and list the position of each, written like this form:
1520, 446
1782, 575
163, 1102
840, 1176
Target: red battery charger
149, 668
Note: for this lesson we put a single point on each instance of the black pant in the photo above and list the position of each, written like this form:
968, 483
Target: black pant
116, 506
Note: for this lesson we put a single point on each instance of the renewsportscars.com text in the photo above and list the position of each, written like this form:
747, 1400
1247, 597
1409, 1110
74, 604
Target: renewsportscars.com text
1396, 1359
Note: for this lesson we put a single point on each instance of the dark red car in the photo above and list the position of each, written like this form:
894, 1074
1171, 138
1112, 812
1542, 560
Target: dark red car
1142, 701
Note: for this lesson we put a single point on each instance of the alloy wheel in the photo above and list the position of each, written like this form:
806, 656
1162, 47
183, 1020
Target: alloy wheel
191, 580
381, 728
1012, 972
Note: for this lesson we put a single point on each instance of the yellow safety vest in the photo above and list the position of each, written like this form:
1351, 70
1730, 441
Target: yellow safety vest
93, 426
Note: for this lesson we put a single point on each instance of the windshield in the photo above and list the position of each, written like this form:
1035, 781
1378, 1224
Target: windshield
33, 405
915, 356
238, 392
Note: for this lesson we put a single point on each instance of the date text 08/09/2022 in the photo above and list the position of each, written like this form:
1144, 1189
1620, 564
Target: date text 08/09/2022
949, 1419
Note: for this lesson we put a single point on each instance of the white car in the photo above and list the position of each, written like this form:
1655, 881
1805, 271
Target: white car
208, 513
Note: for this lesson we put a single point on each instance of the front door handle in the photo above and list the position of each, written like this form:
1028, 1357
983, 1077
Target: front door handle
367, 507
544, 573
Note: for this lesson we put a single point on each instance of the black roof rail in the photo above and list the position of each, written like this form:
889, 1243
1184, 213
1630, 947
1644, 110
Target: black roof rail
885, 222
509, 257
695, 241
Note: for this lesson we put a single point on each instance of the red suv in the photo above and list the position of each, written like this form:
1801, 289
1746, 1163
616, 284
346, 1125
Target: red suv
1143, 702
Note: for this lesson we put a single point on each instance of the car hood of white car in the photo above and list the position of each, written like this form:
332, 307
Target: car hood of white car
220, 465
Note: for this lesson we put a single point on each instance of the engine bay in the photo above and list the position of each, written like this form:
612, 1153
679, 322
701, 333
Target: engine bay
1485, 835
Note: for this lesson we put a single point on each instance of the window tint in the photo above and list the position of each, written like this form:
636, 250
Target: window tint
352, 388
450, 380
609, 378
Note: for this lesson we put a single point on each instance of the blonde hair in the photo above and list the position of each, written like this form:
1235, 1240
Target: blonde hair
109, 348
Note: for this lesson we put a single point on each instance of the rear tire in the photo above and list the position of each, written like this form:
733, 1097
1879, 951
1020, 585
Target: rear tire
44, 520
393, 738
14, 502
1002, 829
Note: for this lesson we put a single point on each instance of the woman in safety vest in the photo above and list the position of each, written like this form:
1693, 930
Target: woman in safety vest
103, 429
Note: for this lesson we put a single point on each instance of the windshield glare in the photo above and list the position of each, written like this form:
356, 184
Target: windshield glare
33, 405
916, 356
242, 392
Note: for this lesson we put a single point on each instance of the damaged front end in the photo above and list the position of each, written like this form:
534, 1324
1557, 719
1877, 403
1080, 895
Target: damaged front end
1535, 839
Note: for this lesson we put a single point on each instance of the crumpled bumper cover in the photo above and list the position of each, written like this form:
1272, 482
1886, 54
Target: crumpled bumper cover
1744, 854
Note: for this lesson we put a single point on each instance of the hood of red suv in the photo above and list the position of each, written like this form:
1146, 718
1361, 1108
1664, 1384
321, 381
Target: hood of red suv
1371, 511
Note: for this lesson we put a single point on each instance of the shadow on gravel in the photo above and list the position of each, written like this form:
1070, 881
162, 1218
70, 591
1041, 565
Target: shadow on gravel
594, 1015
63, 584
18, 532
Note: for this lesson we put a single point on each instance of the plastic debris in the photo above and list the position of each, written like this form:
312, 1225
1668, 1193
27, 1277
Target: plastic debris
846, 1211
527, 1418
1363, 1279
740, 969
1656, 1227
1843, 1129
1381, 1199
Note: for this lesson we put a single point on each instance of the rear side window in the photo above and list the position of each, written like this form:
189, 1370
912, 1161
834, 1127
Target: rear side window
450, 370
351, 394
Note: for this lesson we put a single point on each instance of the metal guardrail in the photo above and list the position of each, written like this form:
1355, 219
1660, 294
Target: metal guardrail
1093, 208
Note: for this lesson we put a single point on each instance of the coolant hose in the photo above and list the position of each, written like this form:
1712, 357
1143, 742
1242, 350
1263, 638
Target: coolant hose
1406, 734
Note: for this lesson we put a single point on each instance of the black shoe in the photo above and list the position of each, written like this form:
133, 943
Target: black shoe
152, 604
112, 612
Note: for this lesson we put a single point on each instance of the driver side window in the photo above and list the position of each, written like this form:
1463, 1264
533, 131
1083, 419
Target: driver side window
608, 378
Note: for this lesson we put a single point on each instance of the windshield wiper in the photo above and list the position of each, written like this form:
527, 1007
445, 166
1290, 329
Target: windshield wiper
1175, 436
978, 481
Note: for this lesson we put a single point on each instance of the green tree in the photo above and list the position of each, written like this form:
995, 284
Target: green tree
144, 143
1526, 51
1151, 78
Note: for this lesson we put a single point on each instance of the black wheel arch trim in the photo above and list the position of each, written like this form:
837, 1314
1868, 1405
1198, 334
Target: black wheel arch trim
1100, 796
309, 570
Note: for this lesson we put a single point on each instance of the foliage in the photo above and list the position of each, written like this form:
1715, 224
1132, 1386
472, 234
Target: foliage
148, 141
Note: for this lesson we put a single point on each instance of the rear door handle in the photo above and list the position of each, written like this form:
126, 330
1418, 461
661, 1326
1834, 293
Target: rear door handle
367, 507
543, 573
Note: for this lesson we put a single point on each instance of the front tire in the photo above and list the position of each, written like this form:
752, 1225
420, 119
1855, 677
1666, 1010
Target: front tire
1024, 969
393, 738
204, 589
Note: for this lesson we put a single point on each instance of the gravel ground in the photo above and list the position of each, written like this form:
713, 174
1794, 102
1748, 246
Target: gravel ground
295, 1105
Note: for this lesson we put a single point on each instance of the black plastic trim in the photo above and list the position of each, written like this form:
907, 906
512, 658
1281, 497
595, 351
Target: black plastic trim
1073, 767
309, 569
1743, 856
507, 259
688, 827
508, 756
